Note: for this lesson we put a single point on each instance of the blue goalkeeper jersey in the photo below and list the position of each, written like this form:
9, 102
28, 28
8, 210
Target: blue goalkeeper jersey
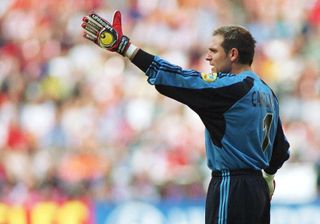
240, 114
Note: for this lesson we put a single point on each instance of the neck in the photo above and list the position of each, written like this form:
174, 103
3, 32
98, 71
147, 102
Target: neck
238, 68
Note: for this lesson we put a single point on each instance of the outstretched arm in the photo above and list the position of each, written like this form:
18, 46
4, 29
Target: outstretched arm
190, 87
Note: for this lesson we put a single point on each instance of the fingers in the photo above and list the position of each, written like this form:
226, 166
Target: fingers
90, 26
89, 32
91, 22
90, 37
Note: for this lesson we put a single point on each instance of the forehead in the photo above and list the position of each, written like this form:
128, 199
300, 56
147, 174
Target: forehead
216, 41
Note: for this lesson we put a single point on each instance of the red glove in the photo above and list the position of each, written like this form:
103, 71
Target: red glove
105, 35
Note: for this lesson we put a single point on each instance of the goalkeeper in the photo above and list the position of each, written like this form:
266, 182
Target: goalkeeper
244, 139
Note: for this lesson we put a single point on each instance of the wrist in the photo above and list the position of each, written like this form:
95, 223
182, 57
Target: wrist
131, 51
122, 45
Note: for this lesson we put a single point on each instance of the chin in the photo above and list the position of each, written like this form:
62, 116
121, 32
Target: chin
225, 70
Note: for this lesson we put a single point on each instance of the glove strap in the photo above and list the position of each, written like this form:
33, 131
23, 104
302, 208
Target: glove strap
123, 45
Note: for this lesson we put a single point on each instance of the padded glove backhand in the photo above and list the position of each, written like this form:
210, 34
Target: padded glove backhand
105, 35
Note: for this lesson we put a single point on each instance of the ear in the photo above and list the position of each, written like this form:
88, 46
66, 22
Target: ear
234, 55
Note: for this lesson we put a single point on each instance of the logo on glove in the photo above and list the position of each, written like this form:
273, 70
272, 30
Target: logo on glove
106, 39
101, 21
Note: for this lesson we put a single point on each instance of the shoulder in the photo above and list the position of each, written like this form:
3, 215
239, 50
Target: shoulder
229, 79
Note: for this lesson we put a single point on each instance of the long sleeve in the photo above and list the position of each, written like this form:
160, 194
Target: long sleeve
280, 151
143, 60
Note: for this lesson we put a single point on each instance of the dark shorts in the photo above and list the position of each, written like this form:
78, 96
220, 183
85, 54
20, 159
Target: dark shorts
238, 197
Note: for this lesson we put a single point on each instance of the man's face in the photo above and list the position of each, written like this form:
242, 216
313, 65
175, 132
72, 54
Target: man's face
217, 57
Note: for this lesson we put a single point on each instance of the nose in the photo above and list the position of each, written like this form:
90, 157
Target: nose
208, 57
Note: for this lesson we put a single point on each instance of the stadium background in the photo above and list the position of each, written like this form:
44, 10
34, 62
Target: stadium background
84, 138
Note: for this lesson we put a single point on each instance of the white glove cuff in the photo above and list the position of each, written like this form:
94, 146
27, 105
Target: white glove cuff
131, 51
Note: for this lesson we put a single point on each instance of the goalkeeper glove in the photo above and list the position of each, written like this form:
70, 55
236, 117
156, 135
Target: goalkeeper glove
269, 178
105, 35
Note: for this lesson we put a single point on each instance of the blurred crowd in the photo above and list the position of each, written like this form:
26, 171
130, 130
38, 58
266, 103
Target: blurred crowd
78, 121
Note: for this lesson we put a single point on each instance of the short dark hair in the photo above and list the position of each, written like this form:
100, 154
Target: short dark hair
240, 38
